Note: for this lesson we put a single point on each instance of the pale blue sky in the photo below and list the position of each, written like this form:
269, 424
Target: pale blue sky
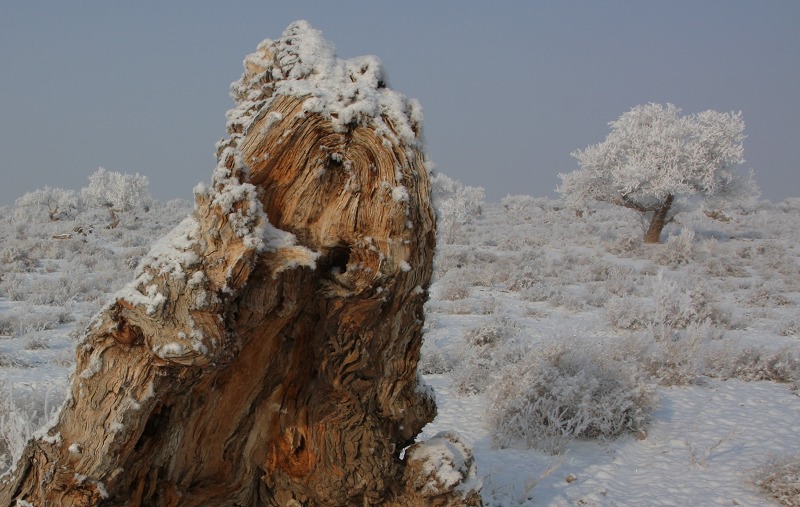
509, 89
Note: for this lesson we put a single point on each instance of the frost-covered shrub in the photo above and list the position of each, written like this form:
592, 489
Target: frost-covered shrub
10, 361
37, 342
625, 246
568, 300
721, 259
781, 479
12, 286
16, 258
566, 392
34, 318
517, 204
80, 328
490, 334
762, 296
565, 268
451, 290
434, 360
486, 350
677, 250
8, 323
681, 301
774, 261
754, 363
627, 312
22, 412
725, 267
535, 313
668, 356
596, 270
473, 374
555, 295
596, 296
472, 263
789, 327
620, 282
541, 292
526, 277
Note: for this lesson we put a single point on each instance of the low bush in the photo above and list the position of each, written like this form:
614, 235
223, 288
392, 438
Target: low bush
755, 363
675, 303
485, 352
781, 479
565, 392
668, 356
677, 250
627, 312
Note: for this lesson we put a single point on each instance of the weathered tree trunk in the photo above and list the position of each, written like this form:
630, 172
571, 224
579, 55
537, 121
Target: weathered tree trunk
266, 352
658, 221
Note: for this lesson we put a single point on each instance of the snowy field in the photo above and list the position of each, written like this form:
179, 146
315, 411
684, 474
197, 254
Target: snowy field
584, 367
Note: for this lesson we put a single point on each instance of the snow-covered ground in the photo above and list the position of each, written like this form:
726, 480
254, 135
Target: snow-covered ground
704, 327
704, 446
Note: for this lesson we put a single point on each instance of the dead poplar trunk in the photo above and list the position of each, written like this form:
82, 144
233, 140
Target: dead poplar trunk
266, 352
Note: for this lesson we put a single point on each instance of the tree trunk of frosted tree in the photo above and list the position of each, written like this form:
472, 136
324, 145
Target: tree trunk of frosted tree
658, 221
265, 363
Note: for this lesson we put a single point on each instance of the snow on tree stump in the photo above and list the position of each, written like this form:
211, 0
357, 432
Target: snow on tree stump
266, 352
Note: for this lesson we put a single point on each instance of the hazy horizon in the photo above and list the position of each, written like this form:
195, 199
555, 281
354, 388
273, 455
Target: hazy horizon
509, 89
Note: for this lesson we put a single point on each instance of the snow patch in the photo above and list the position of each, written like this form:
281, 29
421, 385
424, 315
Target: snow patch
152, 300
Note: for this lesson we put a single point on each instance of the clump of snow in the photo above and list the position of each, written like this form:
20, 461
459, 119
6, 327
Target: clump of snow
152, 300
445, 464
175, 252
236, 198
400, 194
197, 279
170, 350
101, 488
348, 92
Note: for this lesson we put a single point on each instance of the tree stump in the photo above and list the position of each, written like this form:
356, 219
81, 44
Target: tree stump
266, 352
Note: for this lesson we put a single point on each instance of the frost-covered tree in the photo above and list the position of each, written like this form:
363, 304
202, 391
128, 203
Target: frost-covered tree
455, 203
653, 155
117, 192
58, 202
